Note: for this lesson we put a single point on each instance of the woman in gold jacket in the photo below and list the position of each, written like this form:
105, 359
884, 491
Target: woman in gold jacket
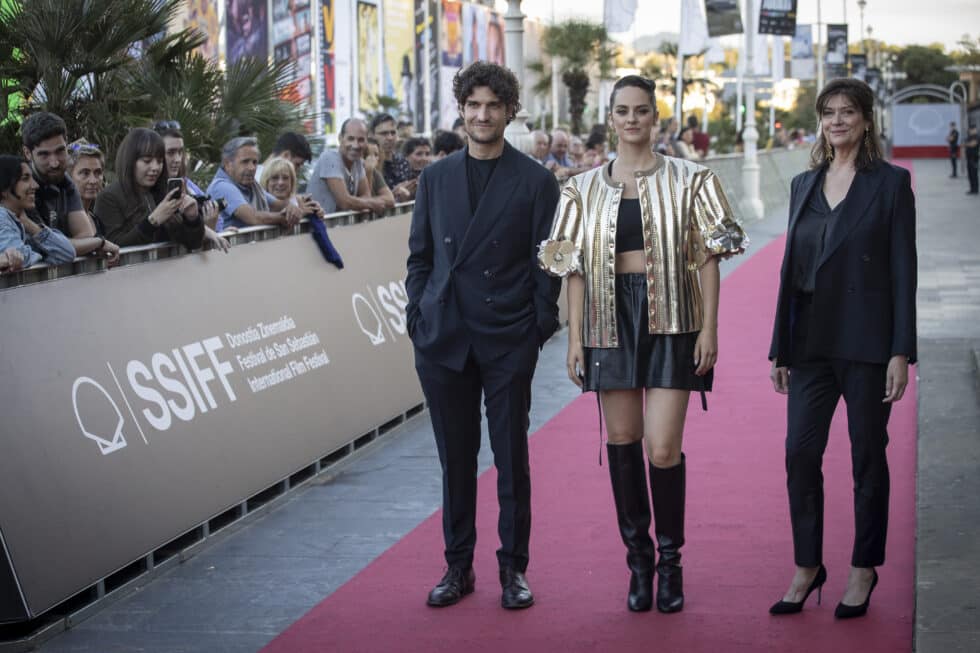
639, 240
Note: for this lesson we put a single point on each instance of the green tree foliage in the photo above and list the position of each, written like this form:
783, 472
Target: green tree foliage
108, 65
804, 113
925, 65
582, 48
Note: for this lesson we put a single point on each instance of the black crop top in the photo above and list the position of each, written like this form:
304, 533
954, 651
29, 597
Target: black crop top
629, 227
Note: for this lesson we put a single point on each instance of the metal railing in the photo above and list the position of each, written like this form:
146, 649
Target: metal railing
158, 251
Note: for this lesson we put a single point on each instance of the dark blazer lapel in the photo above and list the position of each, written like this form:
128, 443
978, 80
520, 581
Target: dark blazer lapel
494, 199
457, 208
806, 188
863, 191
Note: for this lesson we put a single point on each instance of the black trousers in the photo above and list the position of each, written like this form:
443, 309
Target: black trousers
815, 388
952, 161
454, 405
971, 173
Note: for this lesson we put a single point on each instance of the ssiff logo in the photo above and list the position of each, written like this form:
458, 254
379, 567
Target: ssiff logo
382, 308
106, 445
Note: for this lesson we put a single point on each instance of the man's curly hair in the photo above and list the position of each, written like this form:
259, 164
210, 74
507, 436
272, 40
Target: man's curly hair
498, 79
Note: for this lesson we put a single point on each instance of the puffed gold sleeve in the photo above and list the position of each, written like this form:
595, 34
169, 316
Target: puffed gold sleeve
714, 229
561, 254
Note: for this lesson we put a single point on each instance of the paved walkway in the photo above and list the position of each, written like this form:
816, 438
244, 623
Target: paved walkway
249, 585
948, 546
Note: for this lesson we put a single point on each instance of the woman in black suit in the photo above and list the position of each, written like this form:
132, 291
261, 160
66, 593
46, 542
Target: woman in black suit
845, 326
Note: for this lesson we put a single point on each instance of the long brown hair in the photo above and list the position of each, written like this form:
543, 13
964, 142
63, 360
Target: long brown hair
869, 151
139, 143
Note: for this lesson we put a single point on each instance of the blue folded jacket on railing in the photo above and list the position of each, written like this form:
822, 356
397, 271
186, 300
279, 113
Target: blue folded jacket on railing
319, 230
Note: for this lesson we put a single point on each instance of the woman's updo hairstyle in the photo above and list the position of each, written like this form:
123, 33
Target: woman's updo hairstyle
636, 81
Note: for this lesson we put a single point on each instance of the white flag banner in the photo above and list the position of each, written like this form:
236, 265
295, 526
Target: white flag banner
760, 43
694, 29
715, 53
619, 15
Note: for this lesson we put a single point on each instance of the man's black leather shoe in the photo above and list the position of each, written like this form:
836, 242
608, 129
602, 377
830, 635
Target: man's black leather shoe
457, 583
517, 594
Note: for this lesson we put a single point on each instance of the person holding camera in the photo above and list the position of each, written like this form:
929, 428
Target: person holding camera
176, 158
140, 207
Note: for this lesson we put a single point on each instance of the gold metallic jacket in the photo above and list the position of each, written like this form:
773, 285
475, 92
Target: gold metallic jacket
686, 220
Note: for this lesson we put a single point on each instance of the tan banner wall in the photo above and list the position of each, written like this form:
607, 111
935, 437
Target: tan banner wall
139, 402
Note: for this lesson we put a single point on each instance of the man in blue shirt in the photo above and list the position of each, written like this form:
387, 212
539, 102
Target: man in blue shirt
246, 203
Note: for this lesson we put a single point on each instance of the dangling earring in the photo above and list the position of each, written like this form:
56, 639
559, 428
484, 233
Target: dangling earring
867, 139
828, 151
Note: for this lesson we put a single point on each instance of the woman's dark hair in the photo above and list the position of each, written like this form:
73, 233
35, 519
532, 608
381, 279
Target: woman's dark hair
139, 143
170, 133
594, 141
10, 171
635, 81
498, 79
414, 143
859, 93
447, 142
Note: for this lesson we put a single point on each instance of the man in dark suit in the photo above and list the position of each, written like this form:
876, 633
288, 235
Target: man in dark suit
479, 310
971, 148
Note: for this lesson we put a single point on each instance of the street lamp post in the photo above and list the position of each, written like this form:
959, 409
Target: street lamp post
514, 29
750, 161
861, 5
870, 51
819, 51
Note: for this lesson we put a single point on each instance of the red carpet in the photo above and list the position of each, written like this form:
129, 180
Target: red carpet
738, 559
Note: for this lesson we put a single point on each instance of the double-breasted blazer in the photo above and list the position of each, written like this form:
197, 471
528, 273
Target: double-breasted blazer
863, 304
473, 279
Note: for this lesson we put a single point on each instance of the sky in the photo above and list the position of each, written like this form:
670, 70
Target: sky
897, 22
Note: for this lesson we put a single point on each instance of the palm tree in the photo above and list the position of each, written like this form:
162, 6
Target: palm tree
668, 77
581, 47
107, 65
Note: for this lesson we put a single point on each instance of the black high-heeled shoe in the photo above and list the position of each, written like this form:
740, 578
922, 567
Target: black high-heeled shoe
792, 607
850, 611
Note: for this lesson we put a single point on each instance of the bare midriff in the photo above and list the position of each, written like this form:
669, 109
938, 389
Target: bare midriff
628, 262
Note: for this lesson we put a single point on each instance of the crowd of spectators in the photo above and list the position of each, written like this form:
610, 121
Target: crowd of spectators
151, 198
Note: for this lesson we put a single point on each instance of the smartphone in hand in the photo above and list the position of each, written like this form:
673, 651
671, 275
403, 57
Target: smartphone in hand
175, 183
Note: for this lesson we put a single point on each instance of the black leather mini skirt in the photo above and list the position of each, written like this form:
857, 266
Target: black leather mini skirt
642, 360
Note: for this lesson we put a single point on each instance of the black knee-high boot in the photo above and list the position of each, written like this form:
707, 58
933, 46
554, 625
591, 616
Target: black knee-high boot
667, 488
629, 483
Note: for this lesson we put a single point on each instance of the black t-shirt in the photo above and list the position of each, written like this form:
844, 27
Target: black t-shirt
954, 141
53, 203
478, 173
